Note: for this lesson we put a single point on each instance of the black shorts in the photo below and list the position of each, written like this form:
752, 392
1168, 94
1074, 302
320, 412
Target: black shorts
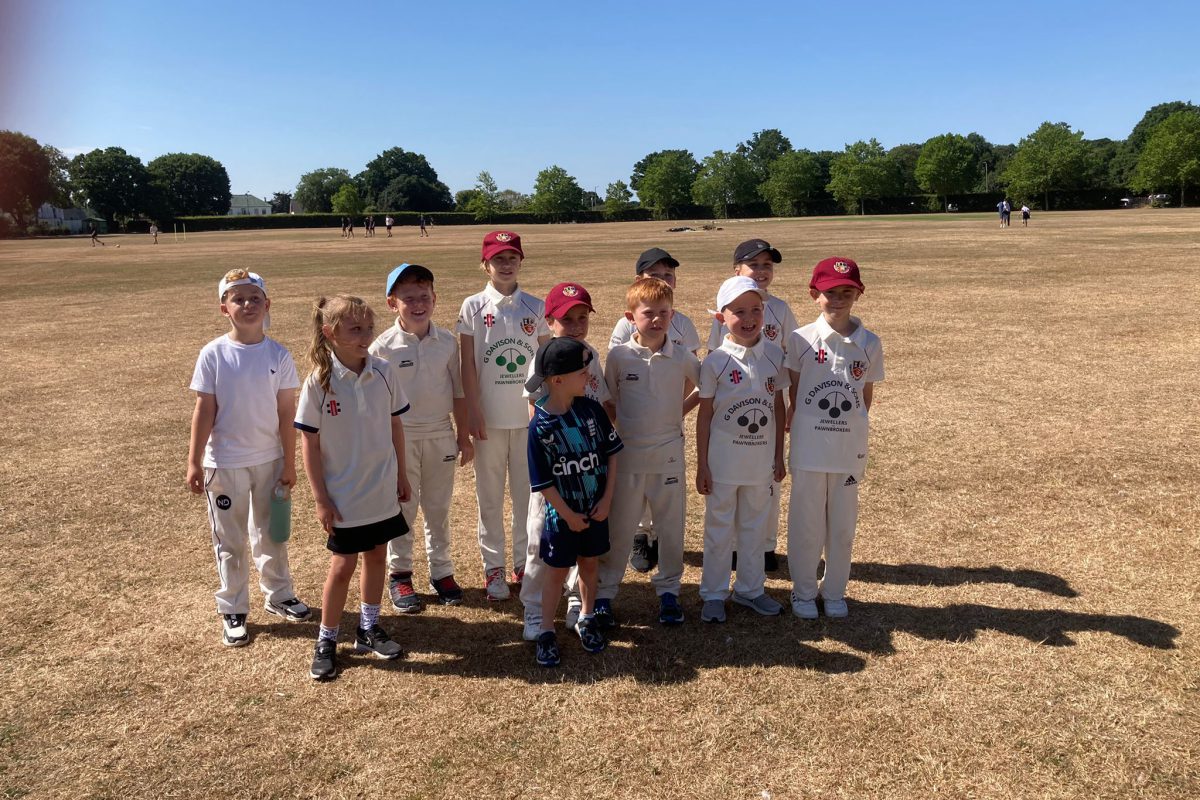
562, 547
362, 538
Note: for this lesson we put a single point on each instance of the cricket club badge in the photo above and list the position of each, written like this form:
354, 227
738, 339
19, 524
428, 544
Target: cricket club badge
569, 290
529, 325
593, 384
841, 267
771, 332
858, 369
503, 237
771, 385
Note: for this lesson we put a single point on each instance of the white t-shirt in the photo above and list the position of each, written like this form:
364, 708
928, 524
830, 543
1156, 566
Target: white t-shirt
596, 388
682, 334
778, 322
430, 376
829, 425
354, 420
506, 331
742, 382
648, 389
246, 380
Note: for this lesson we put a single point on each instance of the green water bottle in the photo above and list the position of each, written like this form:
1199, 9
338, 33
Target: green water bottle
280, 528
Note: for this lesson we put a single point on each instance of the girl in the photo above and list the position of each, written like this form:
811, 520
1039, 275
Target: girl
353, 449
500, 330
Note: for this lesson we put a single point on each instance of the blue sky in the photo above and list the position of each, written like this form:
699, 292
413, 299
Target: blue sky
273, 90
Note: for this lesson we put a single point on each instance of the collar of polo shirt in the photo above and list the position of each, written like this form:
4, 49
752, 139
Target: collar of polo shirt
742, 351
499, 299
342, 372
433, 334
828, 332
638, 347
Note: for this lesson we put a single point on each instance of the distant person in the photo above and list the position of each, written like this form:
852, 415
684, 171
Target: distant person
367, 226
1025, 216
154, 231
345, 225
95, 235
349, 227
1000, 212
388, 222
421, 220
1007, 213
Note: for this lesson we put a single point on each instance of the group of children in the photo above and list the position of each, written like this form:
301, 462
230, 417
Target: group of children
590, 456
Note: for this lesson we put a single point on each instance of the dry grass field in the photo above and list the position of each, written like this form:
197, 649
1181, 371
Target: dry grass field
1024, 601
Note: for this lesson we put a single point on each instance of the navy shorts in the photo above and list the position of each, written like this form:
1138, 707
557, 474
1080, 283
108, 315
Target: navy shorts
561, 547
361, 538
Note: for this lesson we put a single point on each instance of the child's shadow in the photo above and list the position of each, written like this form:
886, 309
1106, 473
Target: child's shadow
928, 575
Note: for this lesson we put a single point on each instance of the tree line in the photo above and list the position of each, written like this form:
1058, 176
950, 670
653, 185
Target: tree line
1161, 154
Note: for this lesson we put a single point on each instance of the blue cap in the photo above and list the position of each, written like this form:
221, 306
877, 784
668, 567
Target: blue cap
415, 271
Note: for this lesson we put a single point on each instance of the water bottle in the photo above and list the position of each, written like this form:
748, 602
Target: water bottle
280, 529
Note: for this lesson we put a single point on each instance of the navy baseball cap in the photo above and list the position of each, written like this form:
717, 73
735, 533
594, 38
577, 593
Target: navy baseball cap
748, 250
558, 356
651, 257
411, 271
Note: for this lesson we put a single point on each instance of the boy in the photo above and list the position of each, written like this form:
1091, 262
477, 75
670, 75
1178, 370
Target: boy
834, 364
739, 449
756, 259
655, 263
245, 386
651, 380
568, 312
572, 462
426, 358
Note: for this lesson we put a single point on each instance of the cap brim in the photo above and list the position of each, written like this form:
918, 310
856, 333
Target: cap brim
534, 383
487, 254
822, 286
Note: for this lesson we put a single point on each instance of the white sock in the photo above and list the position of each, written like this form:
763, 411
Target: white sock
368, 617
327, 633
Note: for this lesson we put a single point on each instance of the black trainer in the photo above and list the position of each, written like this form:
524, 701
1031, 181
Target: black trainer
547, 649
376, 641
639, 556
589, 634
603, 612
324, 663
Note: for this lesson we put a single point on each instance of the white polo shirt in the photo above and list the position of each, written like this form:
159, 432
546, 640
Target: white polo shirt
648, 389
506, 331
596, 388
246, 380
829, 425
682, 334
778, 323
354, 420
430, 376
742, 382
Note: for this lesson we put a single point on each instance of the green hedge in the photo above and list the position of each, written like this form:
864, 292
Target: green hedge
273, 221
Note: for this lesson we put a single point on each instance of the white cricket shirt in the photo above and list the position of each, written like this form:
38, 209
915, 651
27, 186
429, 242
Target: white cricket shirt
682, 334
354, 420
778, 323
430, 376
246, 380
742, 382
648, 389
506, 331
829, 425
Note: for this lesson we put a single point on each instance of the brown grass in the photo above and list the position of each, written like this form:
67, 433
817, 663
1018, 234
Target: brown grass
1023, 602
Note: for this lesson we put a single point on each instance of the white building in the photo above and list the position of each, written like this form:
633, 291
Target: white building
243, 204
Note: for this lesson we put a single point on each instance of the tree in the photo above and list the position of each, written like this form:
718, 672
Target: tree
792, 179
346, 200
1103, 163
485, 205
1171, 157
946, 166
27, 176
666, 183
903, 180
315, 191
617, 200
513, 200
1052, 157
763, 149
556, 193
860, 173
115, 184
60, 177
725, 179
281, 203
191, 184
419, 185
463, 197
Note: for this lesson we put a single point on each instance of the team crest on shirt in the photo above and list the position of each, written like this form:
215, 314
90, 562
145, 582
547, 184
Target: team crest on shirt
857, 369
771, 385
771, 331
593, 383
591, 426
735, 376
529, 325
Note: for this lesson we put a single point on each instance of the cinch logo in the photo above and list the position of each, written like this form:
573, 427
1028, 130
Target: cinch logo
822, 356
334, 408
489, 320
735, 376
566, 467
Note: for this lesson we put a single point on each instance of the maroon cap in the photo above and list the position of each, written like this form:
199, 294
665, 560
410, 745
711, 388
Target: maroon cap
565, 295
499, 241
835, 271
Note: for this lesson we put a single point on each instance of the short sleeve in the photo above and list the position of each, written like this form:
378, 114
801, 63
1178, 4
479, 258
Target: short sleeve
455, 368
466, 319
715, 334
875, 370
203, 377
603, 395
691, 339
543, 327
611, 372
795, 346
610, 442
540, 474
708, 379
621, 334
399, 398
691, 369
783, 380
308, 411
789, 325
288, 379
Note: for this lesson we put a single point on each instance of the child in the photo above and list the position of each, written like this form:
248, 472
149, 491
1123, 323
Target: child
834, 364
427, 361
245, 386
757, 259
655, 263
500, 330
739, 437
572, 462
353, 449
568, 310
652, 381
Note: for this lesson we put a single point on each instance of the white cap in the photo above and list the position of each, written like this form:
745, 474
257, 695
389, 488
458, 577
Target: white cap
251, 279
735, 287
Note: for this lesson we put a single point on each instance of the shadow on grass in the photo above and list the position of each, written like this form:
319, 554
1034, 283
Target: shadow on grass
928, 575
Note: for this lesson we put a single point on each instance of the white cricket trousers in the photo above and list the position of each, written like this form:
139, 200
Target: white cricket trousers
239, 509
503, 455
535, 568
822, 514
735, 517
666, 496
429, 465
